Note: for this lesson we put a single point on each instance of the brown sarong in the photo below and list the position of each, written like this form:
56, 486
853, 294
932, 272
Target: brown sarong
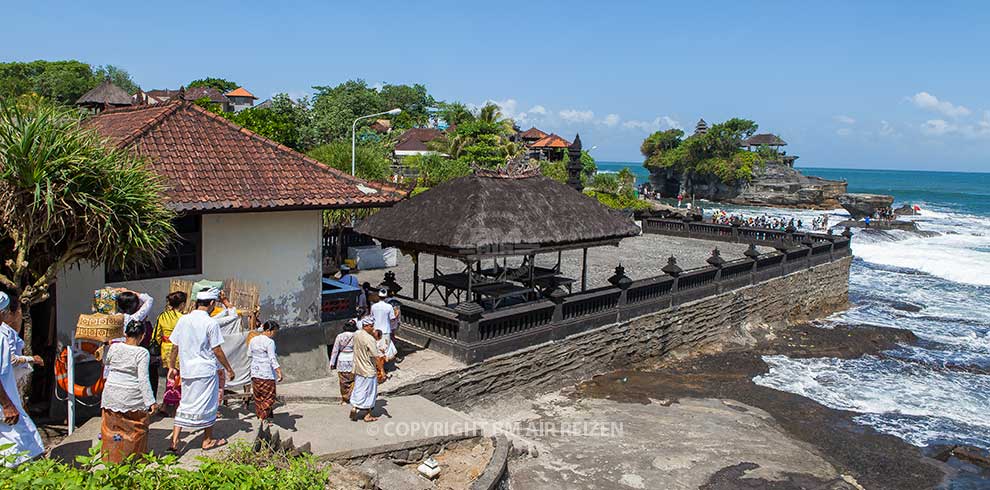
264, 397
124, 434
346, 385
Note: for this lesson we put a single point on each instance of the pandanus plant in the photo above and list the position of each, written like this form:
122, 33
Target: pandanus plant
68, 197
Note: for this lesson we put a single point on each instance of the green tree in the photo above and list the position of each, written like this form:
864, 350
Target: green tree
118, 76
61, 81
414, 100
221, 84
68, 198
285, 121
335, 108
454, 113
372, 162
717, 152
435, 169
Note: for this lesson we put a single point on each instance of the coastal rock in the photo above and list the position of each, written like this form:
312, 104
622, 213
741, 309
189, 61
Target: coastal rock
773, 184
860, 206
906, 210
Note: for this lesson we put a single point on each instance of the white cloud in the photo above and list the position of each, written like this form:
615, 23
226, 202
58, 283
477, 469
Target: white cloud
843, 131
660, 122
929, 102
886, 129
843, 119
576, 116
938, 127
538, 109
611, 120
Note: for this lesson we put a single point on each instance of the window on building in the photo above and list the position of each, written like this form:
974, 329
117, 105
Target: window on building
184, 256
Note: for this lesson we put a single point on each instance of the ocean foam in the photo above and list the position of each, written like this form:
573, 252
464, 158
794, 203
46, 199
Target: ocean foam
889, 387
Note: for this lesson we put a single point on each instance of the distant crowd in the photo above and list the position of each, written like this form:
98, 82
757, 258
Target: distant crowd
765, 221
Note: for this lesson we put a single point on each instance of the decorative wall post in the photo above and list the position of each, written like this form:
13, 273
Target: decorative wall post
574, 167
717, 262
672, 270
390, 283
468, 315
752, 254
621, 281
557, 297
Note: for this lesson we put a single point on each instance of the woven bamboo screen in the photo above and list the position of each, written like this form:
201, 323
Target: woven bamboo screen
243, 295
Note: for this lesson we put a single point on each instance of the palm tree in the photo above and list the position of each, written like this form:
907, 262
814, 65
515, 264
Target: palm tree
452, 146
491, 113
67, 197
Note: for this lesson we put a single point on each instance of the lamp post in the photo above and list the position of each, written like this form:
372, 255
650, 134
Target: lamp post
354, 133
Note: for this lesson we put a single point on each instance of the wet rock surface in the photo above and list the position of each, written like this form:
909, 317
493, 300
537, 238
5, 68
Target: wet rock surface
860, 206
875, 460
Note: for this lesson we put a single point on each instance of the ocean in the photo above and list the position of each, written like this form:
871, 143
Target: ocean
936, 392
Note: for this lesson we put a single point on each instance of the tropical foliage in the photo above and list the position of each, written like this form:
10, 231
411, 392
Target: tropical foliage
372, 162
65, 197
239, 468
481, 138
221, 84
335, 108
435, 169
286, 121
61, 81
716, 152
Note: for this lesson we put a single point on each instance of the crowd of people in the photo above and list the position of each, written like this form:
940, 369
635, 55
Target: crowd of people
187, 347
765, 221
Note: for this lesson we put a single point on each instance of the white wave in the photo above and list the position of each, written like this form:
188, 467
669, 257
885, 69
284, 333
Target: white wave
957, 258
871, 385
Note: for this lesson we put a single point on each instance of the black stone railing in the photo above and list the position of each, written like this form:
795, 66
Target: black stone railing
471, 334
779, 239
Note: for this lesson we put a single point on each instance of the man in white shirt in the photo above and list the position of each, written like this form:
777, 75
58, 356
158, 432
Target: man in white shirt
383, 313
196, 343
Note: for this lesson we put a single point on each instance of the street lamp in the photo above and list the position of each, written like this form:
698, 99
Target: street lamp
354, 133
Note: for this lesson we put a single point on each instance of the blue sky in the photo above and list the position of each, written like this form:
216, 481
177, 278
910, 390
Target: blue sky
847, 84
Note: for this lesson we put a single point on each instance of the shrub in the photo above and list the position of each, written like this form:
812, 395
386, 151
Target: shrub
239, 467
371, 161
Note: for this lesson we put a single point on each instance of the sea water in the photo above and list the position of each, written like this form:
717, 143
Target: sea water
935, 392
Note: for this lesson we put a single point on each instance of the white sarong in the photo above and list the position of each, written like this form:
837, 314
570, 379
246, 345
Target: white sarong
199, 403
364, 392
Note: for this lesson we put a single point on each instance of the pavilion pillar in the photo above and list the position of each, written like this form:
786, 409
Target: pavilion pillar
415, 259
584, 269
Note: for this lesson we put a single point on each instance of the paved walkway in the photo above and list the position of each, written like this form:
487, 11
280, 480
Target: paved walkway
416, 365
234, 425
324, 427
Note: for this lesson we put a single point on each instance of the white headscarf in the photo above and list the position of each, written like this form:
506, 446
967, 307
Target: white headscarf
208, 294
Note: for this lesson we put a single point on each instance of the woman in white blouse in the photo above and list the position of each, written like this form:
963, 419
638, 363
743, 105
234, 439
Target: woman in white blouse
265, 370
128, 401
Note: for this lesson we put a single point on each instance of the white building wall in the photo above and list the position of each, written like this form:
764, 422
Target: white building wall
278, 251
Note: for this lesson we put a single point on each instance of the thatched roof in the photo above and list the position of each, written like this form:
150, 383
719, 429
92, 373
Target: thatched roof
485, 215
105, 94
765, 139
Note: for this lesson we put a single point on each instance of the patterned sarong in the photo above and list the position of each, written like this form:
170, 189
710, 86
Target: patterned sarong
346, 381
264, 397
124, 434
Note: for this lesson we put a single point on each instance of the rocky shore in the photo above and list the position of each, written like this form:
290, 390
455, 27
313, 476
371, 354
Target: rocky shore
699, 421
774, 185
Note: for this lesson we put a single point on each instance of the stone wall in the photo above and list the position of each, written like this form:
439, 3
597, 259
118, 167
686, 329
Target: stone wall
797, 297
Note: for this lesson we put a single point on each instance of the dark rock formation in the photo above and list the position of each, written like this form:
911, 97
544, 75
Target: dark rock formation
905, 210
860, 206
774, 184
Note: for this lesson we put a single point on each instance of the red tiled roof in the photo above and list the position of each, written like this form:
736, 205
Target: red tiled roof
533, 134
415, 139
240, 92
551, 141
211, 164
196, 93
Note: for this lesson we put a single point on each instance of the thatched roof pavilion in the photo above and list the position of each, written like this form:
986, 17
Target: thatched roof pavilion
765, 139
492, 214
106, 95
